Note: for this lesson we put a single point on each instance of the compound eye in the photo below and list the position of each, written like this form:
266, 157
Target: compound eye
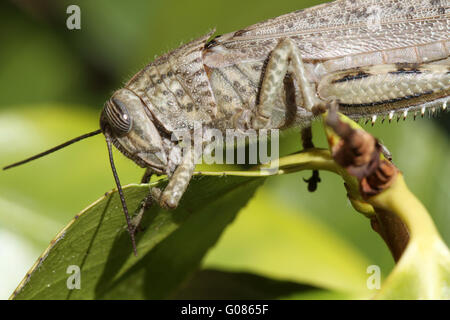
118, 116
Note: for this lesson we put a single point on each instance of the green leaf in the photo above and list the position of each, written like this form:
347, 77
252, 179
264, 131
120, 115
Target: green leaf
169, 249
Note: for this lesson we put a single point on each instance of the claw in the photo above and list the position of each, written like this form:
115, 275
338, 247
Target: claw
145, 204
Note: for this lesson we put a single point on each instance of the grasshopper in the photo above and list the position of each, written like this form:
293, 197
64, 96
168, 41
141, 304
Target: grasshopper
371, 58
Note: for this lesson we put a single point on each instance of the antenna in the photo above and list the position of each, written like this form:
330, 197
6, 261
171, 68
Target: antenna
131, 229
116, 177
65, 144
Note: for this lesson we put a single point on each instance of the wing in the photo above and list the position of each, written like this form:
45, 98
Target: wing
340, 29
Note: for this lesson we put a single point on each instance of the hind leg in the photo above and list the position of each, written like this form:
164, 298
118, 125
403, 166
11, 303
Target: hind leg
286, 56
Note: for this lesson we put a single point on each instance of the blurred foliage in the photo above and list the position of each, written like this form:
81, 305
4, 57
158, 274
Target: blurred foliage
54, 82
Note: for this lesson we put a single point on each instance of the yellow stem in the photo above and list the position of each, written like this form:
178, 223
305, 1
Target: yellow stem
399, 200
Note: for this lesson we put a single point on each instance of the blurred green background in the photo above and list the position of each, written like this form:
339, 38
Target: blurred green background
54, 82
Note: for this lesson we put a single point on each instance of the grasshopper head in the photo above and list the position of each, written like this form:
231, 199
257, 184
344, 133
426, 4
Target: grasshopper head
125, 122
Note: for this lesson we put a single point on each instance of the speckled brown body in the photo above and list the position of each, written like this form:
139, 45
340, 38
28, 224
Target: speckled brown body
218, 83
373, 58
